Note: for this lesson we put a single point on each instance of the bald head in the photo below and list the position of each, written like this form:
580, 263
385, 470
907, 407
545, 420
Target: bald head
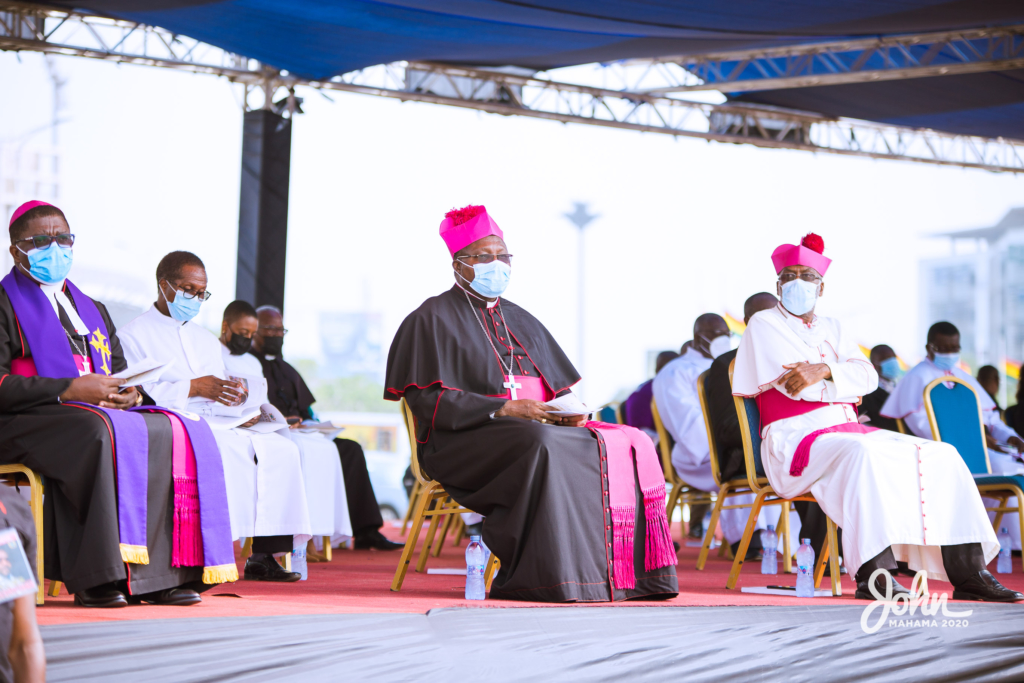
663, 359
761, 301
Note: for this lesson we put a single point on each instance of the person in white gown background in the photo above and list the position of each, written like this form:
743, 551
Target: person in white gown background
263, 473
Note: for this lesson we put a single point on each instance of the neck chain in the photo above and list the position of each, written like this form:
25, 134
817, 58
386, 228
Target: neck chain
507, 369
73, 343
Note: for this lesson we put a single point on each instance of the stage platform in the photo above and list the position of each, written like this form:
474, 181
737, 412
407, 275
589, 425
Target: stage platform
345, 622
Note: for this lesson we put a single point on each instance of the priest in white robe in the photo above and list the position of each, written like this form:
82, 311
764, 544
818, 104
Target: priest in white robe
321, 468
263, 473
896, 497
675, 392
906, 402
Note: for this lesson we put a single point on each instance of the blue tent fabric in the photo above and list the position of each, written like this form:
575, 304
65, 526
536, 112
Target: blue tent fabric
318, 39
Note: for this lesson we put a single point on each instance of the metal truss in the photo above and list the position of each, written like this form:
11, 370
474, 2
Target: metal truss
852, 61
511, 92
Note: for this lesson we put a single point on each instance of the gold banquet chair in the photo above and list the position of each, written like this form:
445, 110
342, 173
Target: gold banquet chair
954, 414
434, 503
36, 505
680, 493
750, 421
731, 488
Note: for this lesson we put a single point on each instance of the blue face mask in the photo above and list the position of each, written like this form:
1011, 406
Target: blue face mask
946, 361
891, 369
50, 265
180, 308
490, 280
799, 297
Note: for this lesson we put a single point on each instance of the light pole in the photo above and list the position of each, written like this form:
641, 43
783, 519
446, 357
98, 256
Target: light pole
581, 218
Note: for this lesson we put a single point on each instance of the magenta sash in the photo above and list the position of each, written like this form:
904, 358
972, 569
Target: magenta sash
533, 388
802, 455
774, 405
621, 442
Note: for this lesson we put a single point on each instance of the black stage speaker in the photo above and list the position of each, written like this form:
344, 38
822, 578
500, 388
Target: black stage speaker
263, 209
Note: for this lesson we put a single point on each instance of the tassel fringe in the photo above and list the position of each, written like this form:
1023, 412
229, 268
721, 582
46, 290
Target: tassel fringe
623, 527
220, 574
659, 551
188, 537
135, 554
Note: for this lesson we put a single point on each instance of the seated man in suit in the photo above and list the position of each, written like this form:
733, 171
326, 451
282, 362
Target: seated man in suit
888, 368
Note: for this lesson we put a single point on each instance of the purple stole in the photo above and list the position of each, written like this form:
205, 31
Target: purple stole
51, 354
52, 357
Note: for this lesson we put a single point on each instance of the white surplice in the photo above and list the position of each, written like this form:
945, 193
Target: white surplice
883, 488
321, 466
263, 472
675, 392
906, 402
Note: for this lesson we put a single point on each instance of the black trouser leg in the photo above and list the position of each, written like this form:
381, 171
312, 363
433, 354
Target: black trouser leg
362, 502
883, 560
962, 561
268, 545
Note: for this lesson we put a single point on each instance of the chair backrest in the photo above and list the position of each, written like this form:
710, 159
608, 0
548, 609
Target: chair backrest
410, 427
749, 416
954, 413
716, 472
901, 426
665, 444
609, 413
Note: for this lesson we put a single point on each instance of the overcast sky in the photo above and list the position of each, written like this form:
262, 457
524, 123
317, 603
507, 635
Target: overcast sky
152, 163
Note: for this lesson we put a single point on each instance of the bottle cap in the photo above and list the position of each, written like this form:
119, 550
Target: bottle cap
473, 539
771, 527
1003, 531
805, 541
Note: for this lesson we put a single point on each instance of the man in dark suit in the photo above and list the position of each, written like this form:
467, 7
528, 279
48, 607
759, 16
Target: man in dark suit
888, 368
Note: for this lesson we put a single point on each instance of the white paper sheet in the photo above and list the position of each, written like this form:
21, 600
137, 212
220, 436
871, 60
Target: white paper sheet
146, 370
568, 405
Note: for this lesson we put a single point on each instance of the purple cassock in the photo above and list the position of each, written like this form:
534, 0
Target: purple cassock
636, 410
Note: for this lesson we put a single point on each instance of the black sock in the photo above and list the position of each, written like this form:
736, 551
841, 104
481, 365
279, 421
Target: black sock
962, 561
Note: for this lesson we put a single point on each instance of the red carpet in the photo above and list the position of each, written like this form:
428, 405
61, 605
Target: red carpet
359, 581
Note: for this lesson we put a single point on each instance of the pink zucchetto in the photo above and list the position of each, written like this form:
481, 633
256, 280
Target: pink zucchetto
462, 227
808, 253
25, 208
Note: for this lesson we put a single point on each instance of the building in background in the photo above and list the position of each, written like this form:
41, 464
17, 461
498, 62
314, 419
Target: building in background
27, 172
981, 291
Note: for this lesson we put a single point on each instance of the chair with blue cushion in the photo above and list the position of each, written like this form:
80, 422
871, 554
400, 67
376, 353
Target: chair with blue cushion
954, 414
750, 421
609, 413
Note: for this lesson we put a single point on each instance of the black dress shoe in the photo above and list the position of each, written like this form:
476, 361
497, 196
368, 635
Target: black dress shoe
864, 588
266, 568
100, 596
983, 586
170, 596
378, 541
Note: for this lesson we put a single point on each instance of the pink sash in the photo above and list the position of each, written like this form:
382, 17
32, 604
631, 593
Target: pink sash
533, 388
26, 367
621, 441
803, 451
774, 405
188, 538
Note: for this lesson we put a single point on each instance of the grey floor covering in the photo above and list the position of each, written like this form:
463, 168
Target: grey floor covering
530, 644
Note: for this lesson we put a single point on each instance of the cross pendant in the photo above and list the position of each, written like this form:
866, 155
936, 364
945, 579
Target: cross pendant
511, 384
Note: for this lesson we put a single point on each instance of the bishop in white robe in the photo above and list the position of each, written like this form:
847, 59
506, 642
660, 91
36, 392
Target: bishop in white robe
906, 402
263, 473
896, 497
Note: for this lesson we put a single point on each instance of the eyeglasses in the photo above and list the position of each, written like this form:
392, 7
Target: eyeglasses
488, 258
64, 239
274, 331
806, 276
188, 294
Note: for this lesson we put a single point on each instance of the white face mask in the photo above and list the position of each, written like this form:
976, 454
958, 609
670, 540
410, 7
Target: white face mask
719, 345
799, 297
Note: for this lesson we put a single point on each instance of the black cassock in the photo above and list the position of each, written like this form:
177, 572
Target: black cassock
542, 488
71, 448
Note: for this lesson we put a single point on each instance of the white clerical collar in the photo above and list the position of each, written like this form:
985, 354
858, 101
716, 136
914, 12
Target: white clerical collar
165, 319
57, 298
811, 333
885, 384
269, 357
490, 304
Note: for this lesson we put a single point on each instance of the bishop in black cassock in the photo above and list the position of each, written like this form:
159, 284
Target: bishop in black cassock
71, 448
541, 486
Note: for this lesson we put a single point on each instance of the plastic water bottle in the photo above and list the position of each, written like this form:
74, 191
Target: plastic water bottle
475, 563
770, 559
805, 569
1004, 565
299, 562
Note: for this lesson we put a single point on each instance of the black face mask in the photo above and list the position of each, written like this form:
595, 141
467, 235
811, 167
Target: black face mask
272, 345
238, 344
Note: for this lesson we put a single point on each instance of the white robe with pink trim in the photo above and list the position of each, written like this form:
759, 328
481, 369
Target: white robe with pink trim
883, 488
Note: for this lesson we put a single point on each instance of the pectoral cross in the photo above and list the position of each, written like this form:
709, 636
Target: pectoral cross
511, 384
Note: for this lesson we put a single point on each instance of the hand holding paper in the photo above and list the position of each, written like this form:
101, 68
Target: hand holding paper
568, 406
